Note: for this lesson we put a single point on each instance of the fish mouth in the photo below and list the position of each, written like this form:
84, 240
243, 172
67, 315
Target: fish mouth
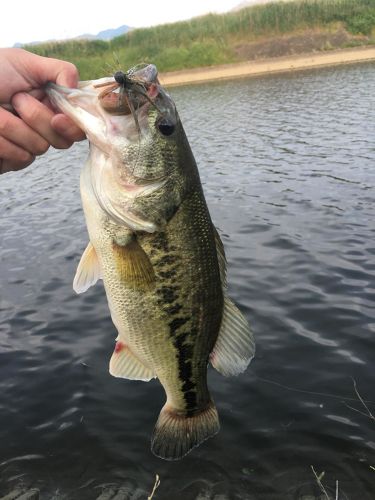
79, 104
124, 93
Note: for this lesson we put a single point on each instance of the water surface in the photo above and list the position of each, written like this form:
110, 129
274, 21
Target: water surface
287, 166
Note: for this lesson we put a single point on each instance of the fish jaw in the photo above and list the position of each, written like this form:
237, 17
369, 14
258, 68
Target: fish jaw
111, 134
76, 104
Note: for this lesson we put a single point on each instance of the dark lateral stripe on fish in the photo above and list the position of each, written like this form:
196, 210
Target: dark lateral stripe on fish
168, 299
166, 260
171, 273
176, 323
185, 369
160, 242
191, 402
174, 309
168, 294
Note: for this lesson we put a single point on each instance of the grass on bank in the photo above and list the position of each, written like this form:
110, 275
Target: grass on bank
211, 39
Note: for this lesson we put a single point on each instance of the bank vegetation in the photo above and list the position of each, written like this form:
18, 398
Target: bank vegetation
260, 31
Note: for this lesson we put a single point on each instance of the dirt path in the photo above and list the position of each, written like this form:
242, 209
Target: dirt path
271, 65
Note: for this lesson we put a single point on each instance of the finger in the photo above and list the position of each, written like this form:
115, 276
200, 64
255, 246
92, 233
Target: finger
67, 128
37, 93
38, 117
13, 157
10, 166
17, 132
8, 107
53, 70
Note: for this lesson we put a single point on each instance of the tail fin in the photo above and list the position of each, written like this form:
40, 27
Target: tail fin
175, 434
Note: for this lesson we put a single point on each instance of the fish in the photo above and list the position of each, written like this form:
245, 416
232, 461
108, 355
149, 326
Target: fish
154, 245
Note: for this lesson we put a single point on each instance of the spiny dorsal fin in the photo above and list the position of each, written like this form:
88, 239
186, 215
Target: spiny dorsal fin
124, 364
221, 258
133, 265
235, 346
88, 270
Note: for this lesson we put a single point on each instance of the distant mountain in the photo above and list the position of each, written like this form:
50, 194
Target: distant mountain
102, 35
106, 34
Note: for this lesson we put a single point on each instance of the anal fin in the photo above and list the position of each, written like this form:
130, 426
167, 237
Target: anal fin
125, 364
235, 345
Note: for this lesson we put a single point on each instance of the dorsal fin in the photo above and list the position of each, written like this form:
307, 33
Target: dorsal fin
88, 270
221, 258
235, 346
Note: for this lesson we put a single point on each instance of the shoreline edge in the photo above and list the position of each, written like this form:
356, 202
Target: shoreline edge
268, 66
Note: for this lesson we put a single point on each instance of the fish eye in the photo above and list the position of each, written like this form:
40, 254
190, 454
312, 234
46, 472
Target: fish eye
165, 126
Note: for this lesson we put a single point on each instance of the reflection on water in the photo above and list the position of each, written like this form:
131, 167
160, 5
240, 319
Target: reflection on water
287, 164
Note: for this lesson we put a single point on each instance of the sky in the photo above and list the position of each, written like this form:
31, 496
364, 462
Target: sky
39, 20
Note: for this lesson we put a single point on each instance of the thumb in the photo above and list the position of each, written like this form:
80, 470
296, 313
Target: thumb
46, 69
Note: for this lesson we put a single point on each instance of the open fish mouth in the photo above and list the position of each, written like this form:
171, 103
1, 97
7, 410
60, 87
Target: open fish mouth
124, 93
129, 91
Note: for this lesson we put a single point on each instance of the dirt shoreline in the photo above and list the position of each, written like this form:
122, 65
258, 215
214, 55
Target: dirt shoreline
268, 66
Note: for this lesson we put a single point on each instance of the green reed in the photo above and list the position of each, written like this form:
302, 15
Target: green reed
211, 39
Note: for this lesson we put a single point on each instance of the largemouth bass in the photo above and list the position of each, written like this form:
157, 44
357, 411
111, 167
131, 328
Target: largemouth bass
152, 242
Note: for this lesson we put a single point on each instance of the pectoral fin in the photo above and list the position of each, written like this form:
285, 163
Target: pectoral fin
88, 270
133, 265
235, 346
125, 365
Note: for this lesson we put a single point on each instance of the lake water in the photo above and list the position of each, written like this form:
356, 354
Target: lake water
288, 168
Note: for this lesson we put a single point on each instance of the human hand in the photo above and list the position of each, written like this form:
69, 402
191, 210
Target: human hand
28, 123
